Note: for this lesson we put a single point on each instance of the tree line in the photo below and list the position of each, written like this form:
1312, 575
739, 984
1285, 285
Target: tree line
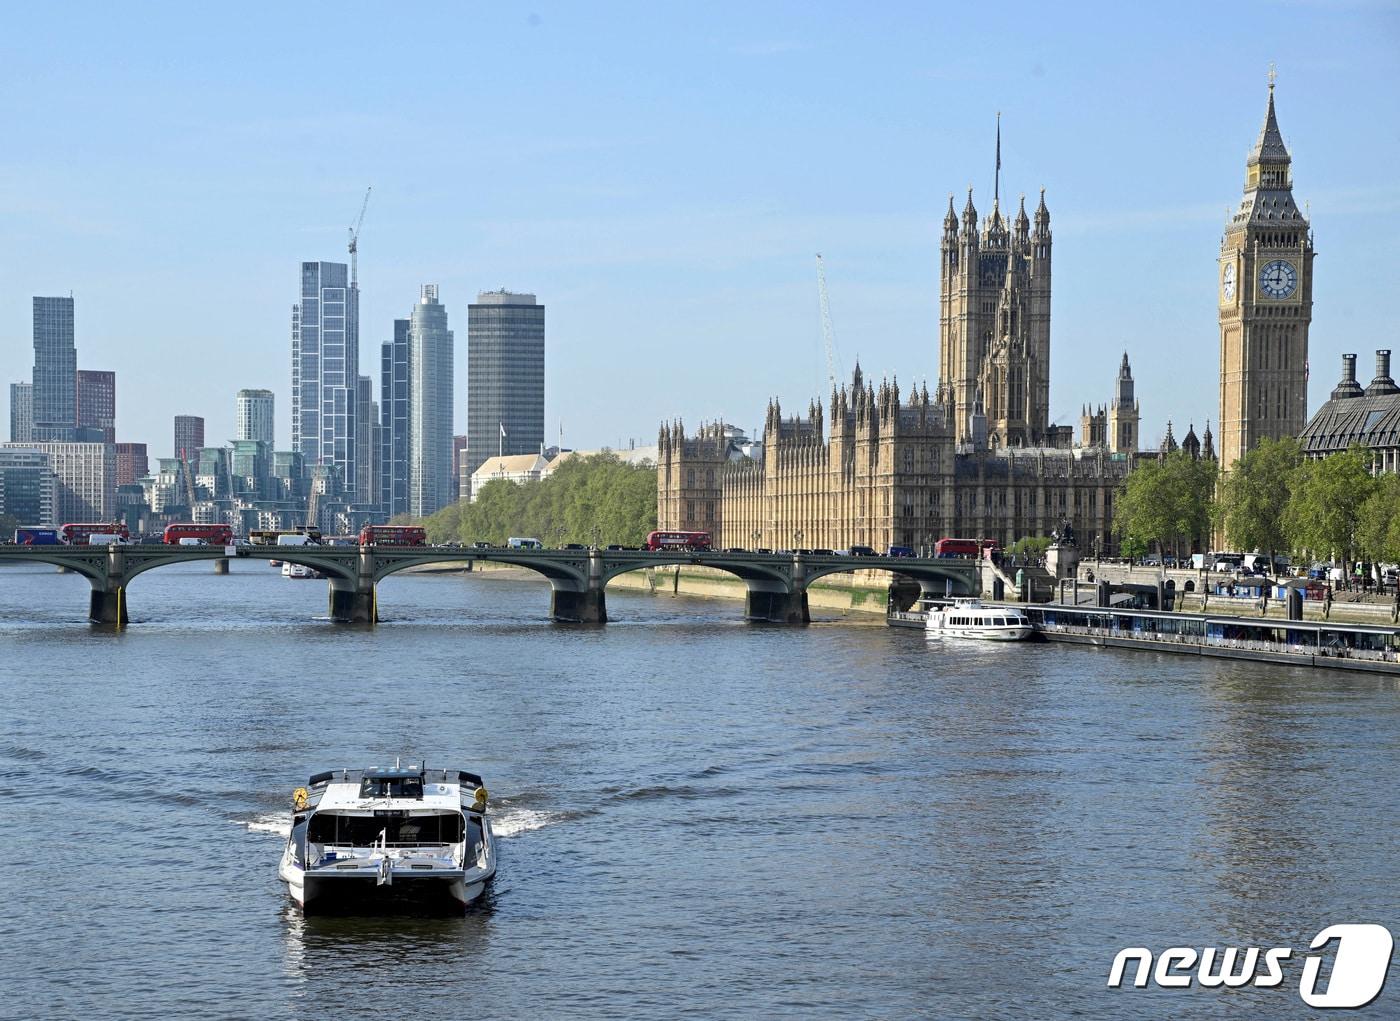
1273, 500
598, 499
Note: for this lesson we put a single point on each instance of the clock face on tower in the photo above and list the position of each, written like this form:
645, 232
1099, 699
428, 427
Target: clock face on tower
1278, 279
1227, 282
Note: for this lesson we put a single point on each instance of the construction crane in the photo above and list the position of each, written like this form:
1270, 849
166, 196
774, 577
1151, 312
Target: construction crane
828, 335
355, 240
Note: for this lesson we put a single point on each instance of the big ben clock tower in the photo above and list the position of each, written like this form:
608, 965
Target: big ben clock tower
1264, 287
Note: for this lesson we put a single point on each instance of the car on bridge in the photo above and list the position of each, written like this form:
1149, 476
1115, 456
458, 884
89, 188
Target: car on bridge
573, 545
862, 551
901, 551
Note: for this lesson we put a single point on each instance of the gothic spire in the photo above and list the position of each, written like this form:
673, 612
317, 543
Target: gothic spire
996, 186
969, 211
1269, 147
950, 222
1023, 224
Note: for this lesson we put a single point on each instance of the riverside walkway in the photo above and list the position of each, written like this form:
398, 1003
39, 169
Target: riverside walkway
776, 582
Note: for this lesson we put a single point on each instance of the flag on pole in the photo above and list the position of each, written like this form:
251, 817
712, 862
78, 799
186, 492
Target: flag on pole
503, 428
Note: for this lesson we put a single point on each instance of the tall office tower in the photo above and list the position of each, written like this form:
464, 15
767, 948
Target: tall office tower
505, 376
367, 443
21, 412
326, 368
253, 416
429, 406
95, 406
55, 371
189, 436
132, 464
393, 421
1266, 298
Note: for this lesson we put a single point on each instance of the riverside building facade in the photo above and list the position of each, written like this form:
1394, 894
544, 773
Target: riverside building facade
978, 458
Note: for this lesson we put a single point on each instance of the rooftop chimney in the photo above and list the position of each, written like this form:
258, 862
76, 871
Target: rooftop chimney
1382, 384
1348, 387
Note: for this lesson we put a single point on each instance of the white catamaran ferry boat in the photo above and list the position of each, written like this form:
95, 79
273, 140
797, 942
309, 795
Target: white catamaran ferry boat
401, 834
968, 618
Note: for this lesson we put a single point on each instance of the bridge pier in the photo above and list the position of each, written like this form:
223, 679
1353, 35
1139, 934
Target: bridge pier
353, 600
571, 606
221, 567
351, 604
776, 606
107, 604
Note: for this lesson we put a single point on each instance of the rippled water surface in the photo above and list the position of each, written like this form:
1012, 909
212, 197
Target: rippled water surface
698, 817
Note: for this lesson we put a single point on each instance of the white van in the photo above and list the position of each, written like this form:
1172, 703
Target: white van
107, 539
295, 540
517, 543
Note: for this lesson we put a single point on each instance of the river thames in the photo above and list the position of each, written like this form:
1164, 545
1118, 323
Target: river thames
698, 817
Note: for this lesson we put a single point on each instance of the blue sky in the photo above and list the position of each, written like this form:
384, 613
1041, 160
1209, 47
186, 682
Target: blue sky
662, 174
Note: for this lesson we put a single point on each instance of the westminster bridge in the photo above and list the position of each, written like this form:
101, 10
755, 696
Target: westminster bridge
776, 582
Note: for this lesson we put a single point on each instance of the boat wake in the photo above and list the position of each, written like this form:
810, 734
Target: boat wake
278, 825
510, 822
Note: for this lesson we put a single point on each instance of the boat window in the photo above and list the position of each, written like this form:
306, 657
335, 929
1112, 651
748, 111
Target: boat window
391, 787
363, 830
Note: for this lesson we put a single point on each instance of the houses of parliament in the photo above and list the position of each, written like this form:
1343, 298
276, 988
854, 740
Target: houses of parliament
877, 465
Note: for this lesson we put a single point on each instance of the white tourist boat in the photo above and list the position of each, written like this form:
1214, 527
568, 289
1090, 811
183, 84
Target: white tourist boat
297, 571
400, 835
968, 618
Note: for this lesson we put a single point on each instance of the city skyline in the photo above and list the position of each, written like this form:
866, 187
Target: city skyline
650, 248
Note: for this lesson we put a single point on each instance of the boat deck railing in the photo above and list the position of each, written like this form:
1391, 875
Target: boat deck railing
1218, 642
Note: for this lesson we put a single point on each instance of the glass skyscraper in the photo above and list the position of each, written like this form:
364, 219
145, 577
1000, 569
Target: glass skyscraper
55, 371
429, 406
393, 426
326, 368
505, 376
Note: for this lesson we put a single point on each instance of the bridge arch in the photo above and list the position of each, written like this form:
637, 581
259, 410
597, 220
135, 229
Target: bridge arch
931, 579
553, 570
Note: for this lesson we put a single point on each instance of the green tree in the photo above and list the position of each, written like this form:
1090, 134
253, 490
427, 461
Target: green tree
1167, 501
599, 499
1378, 524
1325, 499
1254, 496
1033, 545
8, 524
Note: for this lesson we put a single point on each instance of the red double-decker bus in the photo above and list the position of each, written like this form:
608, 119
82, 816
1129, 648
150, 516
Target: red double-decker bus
971, 548
206, 535
393, 535
77, 534
698, 541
